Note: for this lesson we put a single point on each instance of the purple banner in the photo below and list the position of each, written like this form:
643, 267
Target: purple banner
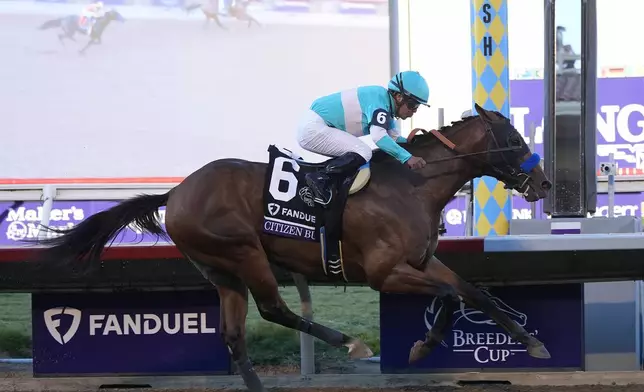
143, 333
620, 117
24, 222
553, 313
626, 204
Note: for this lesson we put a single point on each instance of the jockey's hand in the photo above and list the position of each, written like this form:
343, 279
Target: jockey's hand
416, 163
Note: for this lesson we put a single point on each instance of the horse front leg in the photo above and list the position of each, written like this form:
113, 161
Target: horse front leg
476, 299
404, 279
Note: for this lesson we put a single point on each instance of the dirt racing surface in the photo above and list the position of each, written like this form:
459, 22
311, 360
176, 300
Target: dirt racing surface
469, 388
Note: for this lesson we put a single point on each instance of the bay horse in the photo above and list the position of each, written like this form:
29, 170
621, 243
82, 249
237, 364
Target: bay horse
215, 218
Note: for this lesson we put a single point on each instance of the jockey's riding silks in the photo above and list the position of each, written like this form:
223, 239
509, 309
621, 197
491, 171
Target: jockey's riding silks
334, 122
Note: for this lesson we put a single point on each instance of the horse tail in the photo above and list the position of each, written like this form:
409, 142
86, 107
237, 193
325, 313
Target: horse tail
87, 239
192, 7
51, 23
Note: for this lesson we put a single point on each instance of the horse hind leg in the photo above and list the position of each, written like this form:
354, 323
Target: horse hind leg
233, 299
476, 299
234, 309
258, 276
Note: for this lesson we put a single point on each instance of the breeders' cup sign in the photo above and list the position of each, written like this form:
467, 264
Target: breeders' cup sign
23, 223
127, 333
475, 342
620, 117
626, 204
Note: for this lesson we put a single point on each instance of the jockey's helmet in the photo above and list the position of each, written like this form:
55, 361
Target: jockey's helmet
410, 84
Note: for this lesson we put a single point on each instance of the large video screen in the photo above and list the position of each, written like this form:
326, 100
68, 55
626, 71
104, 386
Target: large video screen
163, 88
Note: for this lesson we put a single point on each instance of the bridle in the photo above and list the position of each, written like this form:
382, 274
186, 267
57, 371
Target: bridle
513, 178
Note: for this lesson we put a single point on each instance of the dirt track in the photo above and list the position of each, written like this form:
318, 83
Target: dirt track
488, 388
479, 388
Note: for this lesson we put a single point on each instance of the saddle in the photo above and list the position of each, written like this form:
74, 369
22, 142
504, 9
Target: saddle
291, 211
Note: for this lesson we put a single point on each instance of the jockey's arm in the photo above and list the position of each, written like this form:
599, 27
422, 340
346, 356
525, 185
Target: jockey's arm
379, 130
395, 134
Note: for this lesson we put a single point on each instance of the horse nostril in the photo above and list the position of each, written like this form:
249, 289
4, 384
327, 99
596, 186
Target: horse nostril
546, 185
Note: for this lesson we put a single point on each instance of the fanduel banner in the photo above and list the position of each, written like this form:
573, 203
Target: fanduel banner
620, 117
24, 222
142, 333
553, 313
626, 204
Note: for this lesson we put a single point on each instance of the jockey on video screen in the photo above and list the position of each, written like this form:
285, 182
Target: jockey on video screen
89, 14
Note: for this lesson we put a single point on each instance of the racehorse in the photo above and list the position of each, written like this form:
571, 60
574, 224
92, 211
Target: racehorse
238, 10
70, 26
215, 217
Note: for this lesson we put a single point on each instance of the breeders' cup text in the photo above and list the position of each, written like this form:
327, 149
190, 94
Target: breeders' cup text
486, 347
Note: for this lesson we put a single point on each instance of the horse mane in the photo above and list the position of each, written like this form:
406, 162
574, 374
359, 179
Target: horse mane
422, 139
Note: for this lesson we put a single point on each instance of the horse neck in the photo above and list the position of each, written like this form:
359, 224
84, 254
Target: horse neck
444, 179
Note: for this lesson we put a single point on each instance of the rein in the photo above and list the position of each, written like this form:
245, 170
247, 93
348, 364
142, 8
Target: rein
513, 177
449, 144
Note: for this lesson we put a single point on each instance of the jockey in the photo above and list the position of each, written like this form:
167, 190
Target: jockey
333, 123
91, 12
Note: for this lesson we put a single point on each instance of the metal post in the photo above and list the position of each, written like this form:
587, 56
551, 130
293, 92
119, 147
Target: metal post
307, 344
48, 194
533, 205
468, 213
394, 38
490, 89
589, 108
394, 43
611, 187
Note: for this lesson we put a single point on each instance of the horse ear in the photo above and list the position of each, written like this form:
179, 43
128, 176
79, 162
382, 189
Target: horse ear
485, 115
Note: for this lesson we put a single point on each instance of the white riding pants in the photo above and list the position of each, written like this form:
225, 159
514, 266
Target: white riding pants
314, 135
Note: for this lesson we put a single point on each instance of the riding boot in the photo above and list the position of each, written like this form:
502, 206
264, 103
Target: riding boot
337, 169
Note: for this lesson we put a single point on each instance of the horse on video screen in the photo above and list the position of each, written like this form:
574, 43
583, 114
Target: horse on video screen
70, 25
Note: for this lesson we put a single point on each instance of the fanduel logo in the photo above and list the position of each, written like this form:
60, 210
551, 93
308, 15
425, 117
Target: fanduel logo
127, 324
53, 324
273, 208
149, 324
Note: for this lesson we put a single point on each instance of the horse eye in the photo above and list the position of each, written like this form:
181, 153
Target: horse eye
515, 140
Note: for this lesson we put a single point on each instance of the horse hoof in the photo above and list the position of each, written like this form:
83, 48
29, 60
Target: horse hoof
539, 351
357, 349
418, 351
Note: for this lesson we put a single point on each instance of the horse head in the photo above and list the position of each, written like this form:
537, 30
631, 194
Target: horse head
489, 145
114, 15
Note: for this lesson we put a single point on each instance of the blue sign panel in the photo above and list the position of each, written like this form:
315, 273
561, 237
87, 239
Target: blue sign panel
142, 333
553, 313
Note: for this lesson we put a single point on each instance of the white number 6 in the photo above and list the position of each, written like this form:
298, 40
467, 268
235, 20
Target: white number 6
279, 175
381, 118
